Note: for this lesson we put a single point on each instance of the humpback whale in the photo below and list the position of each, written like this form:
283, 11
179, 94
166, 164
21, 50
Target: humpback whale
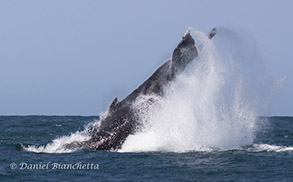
121, 120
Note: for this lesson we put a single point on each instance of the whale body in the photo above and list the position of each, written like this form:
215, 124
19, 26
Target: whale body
121, 120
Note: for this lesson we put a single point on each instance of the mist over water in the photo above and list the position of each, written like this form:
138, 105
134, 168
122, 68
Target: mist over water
214, 104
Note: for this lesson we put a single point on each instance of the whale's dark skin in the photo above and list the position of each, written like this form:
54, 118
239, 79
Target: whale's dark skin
121, 121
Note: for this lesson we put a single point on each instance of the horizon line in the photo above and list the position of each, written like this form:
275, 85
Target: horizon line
70, 115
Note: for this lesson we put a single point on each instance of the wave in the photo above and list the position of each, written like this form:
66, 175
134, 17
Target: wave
270, 148
57, 145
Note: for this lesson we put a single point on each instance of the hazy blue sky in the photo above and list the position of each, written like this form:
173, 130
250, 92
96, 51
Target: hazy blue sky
73, 57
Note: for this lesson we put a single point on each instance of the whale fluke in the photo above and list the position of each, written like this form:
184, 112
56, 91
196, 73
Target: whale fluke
212, 33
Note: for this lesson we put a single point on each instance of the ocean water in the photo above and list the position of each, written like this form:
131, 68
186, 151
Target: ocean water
204, 128
269, 158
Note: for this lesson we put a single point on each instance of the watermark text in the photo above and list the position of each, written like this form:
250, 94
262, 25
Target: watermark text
54, 166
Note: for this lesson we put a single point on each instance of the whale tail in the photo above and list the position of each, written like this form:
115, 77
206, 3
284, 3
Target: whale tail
122, 119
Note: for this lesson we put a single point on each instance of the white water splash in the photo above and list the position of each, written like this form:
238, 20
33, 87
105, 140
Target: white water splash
57, 145
213, 104
270, 148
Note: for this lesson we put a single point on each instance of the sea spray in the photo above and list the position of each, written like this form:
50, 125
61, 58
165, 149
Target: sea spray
57, 145
212, 105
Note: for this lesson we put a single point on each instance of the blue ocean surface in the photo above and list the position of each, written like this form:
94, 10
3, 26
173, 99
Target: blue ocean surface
270, 158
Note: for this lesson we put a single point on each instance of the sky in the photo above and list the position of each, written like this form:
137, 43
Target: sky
70, 57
